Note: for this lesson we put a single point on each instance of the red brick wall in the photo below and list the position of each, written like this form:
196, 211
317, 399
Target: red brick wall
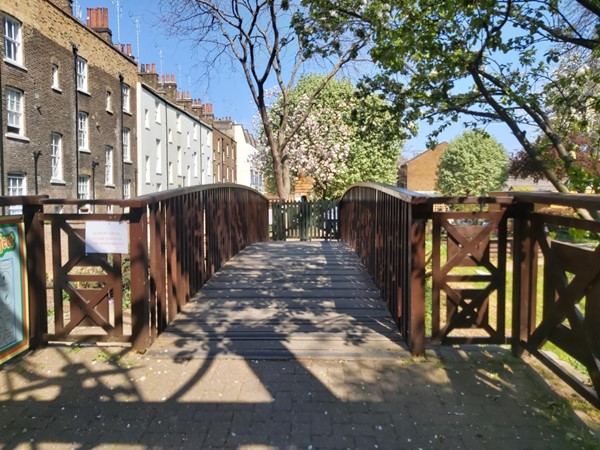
421, 171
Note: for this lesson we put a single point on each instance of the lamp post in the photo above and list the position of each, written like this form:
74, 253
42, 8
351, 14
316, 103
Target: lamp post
36, 156
94, 165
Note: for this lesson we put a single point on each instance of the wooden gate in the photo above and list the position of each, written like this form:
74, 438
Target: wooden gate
305, 220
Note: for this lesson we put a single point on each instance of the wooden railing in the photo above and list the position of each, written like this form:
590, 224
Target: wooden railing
445, 270
176, 240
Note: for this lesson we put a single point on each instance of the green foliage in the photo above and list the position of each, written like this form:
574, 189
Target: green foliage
473, 164
348, 137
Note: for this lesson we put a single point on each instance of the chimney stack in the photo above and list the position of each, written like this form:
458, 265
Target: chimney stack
169, 87
97, 20
148, 75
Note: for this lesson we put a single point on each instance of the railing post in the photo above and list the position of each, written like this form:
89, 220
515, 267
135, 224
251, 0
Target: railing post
36, 274
524, 277
140, 293
416, 310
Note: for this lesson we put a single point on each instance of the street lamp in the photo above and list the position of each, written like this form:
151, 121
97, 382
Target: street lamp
36, 156
94, 165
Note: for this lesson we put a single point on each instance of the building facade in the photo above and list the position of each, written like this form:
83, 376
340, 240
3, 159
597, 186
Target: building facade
68, 98
420, 173
172, 144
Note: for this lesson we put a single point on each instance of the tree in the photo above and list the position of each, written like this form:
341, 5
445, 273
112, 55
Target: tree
346, 138
488, 61
262, 37
473, 164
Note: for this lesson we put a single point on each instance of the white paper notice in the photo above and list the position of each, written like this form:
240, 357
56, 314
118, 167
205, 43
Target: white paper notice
106, 237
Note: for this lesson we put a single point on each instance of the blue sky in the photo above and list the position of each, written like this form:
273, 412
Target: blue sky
225, 87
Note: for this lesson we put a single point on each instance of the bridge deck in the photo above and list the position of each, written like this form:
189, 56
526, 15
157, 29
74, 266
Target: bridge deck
286, 300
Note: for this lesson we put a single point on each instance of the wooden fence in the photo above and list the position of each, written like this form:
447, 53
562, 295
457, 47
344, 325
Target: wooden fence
305, 220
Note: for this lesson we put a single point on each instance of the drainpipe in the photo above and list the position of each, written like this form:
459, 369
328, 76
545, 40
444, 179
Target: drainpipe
122, 114
75, 49
167, 145
36, 156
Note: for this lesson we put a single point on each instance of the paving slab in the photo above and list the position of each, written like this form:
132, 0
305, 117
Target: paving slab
316, 375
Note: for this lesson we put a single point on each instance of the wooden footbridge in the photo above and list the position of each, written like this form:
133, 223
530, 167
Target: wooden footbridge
409, 271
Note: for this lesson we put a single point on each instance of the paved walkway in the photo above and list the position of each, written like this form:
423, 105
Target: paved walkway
306, 362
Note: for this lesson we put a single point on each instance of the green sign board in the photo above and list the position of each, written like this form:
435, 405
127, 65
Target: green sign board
14, 315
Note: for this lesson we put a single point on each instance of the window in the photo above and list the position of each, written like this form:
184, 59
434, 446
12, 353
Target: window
170, 172
56, 156
179, 162
14, 111
126, 144
147, 169
82, 74
158, 156
178, 121
157, 112
170, 134
227, 150
82, 132
13, 48
195, 132
83, 187
158, 187
189, 143
189, 176
109, 101
195, 162
127, 189
147, 118
17, 185
109, 165
55, 80
125, 91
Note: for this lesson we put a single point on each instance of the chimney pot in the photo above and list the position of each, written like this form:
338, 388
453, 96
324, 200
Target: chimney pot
153, 68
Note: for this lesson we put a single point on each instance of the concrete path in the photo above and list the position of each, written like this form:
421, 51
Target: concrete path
292, 354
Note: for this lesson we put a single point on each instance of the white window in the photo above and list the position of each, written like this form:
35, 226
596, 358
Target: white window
157, 112
125, 90
17, 185
189, 176
82, 132
158, 187
178, 121
147, 118
83, 187
195, 132
126, 144
170, 172
56, 156
82, 74
13, 41
158, 156
147, 169
109, 165
195, 164
109, 101
127, 189
188, 142
14, 111
55, 79
179, 162
170, 134
227, 150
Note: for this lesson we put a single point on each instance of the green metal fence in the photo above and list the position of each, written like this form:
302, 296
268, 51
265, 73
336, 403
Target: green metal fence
305, 220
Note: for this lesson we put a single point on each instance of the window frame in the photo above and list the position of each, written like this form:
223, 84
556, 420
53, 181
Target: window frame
55, 77
13, 41
18, 112
56, 158
109, 101
158, 156
83, 181
83, 132
21, 190
109, 166
82, 76
125, 92
126, 145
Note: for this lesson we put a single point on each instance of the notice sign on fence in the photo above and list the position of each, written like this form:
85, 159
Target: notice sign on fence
14, 316
106, 237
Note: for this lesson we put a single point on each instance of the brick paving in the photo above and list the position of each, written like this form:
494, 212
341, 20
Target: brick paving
321, 383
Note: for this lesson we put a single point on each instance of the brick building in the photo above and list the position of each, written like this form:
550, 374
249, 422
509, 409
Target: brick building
224, 149
420, 173
68, 99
